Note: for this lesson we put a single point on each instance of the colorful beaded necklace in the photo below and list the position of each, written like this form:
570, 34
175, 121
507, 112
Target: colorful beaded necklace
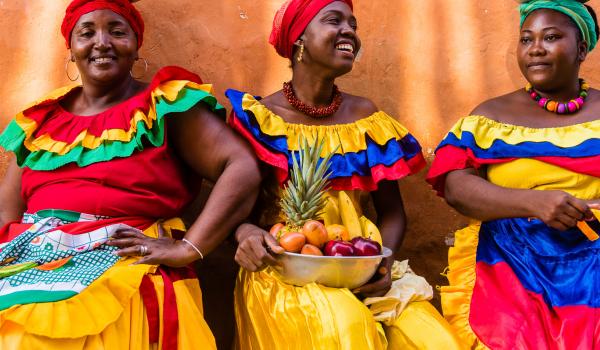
314, 112
557, 107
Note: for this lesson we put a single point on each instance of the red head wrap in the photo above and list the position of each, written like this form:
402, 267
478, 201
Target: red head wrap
292, 19
78, 8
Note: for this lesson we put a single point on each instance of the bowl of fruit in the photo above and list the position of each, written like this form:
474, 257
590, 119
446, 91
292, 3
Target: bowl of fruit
327, 256
342, 254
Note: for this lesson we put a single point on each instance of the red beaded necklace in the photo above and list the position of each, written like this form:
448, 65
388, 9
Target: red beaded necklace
313, 112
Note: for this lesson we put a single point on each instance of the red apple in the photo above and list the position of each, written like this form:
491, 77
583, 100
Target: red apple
365, 247
339, 248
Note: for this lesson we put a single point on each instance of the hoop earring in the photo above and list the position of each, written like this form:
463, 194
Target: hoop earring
145, 69
299, 59
67, 70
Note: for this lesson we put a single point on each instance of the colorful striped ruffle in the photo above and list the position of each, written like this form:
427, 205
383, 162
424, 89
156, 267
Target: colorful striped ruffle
367, 151
46, 137
475, 141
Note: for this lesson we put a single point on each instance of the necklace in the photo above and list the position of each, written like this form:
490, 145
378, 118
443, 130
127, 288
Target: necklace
558, 107
313, 112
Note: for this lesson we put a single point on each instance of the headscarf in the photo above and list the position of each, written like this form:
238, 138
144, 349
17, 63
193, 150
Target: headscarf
576, 10
78, 8
292, 19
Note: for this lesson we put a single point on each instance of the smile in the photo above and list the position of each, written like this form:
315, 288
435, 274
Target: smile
101, 60
345, 48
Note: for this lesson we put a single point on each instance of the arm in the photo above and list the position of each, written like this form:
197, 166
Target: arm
216, 153
391, 221
476, 197
12, 208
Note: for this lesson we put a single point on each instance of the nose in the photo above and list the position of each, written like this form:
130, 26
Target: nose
347, 30
537, 48
102, 40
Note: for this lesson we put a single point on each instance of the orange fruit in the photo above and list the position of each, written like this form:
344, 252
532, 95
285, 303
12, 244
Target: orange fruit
337, 233
292, 241
315, 233
275, 230
310, 249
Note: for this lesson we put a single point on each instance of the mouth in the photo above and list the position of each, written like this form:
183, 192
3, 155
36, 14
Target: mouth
538, 65
345, 47
102, 59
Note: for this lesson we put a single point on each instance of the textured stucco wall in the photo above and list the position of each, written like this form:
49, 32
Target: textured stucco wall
426, 62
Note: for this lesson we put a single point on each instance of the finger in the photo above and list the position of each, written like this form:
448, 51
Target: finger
127, 233
582, 207
557, 224
595, 204
574, 213
161, 231
567, 221
261, 256
124, 242
273, 245
130, 251
248, 264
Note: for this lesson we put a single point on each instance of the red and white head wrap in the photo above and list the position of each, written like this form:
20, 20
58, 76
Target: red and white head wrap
78, 8
292, 19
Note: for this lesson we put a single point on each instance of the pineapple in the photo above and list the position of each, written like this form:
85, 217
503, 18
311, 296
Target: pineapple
303, 197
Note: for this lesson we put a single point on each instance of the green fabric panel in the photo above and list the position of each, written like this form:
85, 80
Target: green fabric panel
28, 297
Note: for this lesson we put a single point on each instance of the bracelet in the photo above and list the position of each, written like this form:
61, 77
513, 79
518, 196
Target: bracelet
195, 248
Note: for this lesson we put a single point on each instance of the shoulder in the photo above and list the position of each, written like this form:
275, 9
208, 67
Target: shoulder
497, 107
360, 107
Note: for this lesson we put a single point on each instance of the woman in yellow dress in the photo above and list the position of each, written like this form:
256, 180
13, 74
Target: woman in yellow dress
372, 151
96, 165
526, 166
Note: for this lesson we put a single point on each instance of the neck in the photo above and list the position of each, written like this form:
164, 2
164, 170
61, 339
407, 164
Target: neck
312, 89
94, 94
563, 94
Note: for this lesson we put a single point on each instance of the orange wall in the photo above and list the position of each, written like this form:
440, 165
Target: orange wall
426, 62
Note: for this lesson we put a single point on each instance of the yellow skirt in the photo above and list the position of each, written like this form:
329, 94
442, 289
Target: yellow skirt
271, 314
111, 314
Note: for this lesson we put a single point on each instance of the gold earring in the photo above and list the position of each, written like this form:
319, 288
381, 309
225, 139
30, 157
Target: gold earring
145, 69
301, 52
67, 70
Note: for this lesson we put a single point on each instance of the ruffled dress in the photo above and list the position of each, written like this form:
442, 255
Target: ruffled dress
271, 314
85, 177
517, 283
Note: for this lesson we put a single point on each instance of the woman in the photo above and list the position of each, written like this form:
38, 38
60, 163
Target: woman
525, 165
372, 151
97, 164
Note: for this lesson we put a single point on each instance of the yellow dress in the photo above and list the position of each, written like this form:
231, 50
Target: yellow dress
271, 314
516, 283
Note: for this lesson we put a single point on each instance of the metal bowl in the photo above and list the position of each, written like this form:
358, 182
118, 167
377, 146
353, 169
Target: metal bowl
331, 271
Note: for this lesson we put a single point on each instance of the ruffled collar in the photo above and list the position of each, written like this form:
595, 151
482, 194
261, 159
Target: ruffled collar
45, 136
367, 151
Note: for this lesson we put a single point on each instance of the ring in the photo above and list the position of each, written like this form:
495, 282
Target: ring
143, 250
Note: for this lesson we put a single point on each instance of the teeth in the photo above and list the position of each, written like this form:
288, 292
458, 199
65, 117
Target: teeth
102, 59
345, 47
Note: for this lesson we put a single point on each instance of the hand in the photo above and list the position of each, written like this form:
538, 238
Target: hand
159, 251
381, 283
256, 248
559, 209
594, 204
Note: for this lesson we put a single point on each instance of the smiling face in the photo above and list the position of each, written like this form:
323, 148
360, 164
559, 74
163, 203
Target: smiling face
330, 39
550, 51
103, 46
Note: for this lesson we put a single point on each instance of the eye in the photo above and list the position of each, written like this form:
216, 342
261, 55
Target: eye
86, 33
525, 40
333, 20
552, 37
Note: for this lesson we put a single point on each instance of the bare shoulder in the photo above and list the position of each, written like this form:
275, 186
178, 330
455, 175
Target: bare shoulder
361, 107
498, 107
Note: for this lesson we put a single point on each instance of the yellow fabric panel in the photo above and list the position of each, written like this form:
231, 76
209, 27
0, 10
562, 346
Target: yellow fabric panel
341, 138
533, 174
271, 314
420, 326
456, 298
109, 314
486, 131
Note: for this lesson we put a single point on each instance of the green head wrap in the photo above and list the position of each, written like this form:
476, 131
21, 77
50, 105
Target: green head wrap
572, 8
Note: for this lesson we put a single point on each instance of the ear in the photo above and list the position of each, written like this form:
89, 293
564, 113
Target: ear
582, 49
299, 42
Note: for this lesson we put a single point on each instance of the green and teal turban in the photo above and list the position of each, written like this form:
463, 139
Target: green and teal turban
576, 10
